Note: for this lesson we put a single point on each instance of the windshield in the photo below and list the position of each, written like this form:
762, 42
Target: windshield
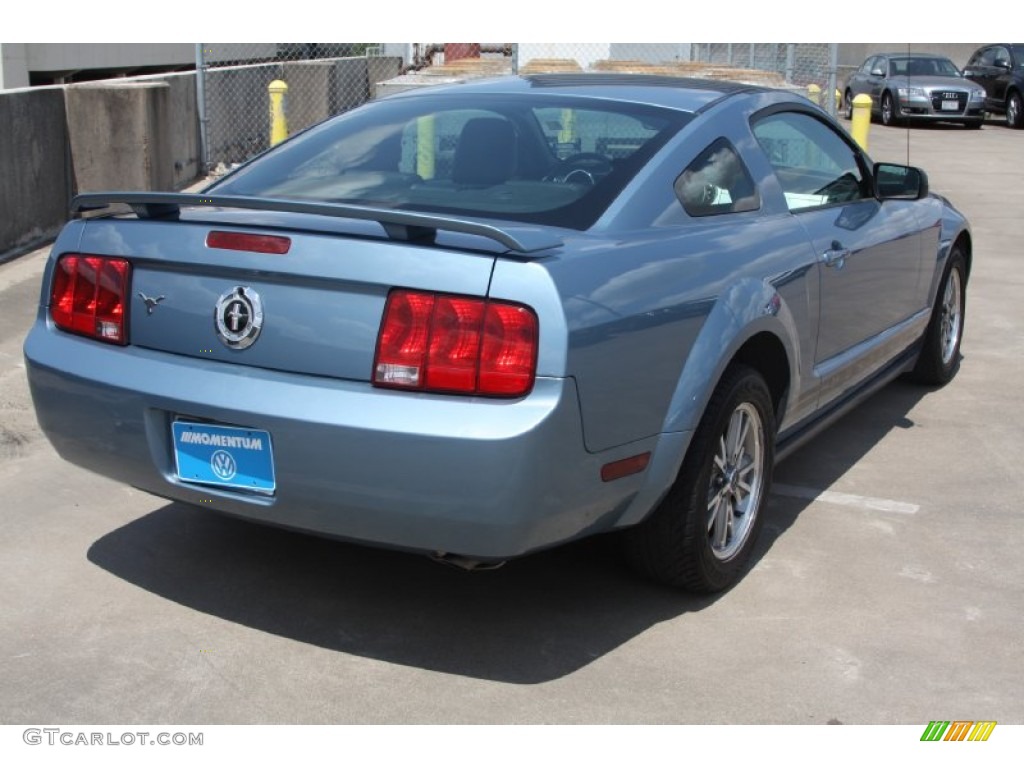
536, 159
922, 67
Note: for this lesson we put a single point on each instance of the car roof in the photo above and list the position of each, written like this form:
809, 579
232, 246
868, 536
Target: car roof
682, 93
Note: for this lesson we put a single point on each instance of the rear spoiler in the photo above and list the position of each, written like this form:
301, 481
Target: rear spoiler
399, 225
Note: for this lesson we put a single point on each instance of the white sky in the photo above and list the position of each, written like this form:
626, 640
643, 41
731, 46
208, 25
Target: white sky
512, 20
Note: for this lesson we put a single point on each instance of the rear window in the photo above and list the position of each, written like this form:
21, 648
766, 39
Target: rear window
534, 159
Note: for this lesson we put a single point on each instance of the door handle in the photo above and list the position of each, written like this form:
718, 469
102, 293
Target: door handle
835, 256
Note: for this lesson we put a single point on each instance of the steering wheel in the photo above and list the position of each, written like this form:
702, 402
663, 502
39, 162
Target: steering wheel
581, 168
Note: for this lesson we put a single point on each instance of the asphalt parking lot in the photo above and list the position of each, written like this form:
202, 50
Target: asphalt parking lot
888, 586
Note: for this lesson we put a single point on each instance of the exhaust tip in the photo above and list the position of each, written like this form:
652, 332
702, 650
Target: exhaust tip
466, 563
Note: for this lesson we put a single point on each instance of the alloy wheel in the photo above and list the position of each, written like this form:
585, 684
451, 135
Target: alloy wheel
737, 482
951, 321
887, 110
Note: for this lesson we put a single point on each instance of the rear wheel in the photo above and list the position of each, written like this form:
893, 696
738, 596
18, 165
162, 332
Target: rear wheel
848, 105
702, 534
1014, 115
940, 356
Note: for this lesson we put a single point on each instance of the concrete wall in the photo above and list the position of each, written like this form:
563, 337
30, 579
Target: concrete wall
143, 133
183, 129
13, 66
34, 169
380, 69
311, 87
351, 83
120, 138
114, 135
319, 89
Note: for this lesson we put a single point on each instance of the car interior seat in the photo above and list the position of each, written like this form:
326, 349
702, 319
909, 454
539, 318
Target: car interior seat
486, 152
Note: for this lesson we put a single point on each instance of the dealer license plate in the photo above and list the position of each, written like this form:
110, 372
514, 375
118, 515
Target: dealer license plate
228, 457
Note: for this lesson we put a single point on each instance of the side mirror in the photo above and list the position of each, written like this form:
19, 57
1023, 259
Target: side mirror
899, 182
878, 72
1001, 64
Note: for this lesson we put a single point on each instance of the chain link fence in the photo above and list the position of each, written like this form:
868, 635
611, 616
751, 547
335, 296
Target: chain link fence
320, 80
811, 68
324, 79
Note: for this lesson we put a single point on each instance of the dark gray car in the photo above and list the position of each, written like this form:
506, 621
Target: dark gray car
916, 87
999, 69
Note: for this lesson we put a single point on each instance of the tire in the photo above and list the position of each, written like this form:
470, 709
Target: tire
940, 356
889, 110
848, 105
702, 534
1014, 113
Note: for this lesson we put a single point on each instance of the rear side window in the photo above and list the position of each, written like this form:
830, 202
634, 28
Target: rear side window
813, 164
717, 182
540, 158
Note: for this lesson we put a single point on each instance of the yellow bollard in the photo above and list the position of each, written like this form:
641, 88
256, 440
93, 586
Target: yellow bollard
568, 133
278, 121
861, 120
839, 101
426, 147
814, 93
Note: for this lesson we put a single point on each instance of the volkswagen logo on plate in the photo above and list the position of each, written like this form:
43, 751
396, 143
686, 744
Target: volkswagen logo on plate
223, 465
239, 317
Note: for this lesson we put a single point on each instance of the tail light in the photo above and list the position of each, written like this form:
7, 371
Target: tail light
89, 296
459, 344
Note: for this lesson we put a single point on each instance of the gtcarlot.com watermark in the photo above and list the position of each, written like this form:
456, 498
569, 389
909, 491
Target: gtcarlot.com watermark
58, 736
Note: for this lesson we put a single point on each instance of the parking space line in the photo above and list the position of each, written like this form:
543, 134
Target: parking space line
845, 499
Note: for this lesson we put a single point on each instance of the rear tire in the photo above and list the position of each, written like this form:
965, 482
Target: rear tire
702, 534
940, 356
848, 105
1014, 113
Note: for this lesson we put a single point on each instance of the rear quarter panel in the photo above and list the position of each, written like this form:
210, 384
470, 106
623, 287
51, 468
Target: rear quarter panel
637, 315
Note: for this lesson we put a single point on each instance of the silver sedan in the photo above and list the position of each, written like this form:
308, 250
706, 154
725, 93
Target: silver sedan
916, 87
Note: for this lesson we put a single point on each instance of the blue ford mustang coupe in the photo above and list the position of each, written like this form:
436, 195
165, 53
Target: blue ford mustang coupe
480, 320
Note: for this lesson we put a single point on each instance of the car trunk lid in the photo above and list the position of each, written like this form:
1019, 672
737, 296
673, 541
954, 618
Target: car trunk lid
318, 305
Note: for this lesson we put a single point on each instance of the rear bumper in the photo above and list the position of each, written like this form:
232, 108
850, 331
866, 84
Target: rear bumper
482, 478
